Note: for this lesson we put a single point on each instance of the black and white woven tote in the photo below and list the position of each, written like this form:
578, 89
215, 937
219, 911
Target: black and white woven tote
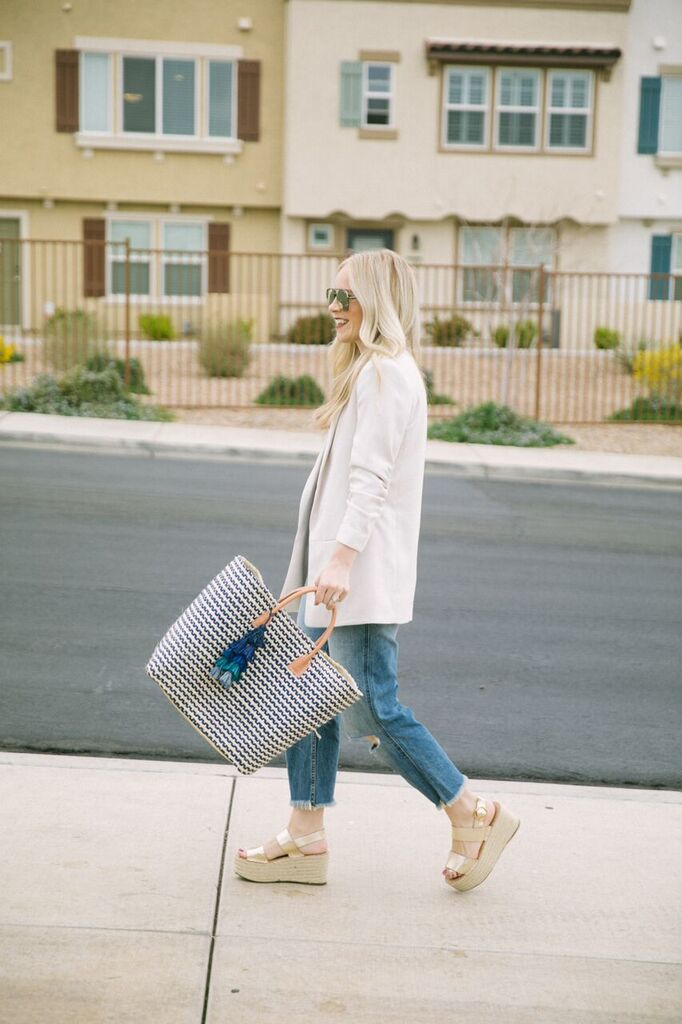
238, 667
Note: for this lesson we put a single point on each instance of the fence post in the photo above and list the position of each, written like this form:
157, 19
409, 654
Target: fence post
126, 375
541, 297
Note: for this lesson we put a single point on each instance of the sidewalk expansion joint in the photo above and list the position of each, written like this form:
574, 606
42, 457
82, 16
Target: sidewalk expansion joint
216, 911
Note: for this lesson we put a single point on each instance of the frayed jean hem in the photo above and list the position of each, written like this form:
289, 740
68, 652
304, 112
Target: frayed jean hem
449, 803
308, 805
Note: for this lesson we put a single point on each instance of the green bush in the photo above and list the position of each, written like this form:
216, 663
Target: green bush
302, 390
451, 332
70, 338
101, 361
82, 392
626, 357
605, 338
225, 349
497, 424
525, 333
648, 410
312, 330
434, 397
156, 327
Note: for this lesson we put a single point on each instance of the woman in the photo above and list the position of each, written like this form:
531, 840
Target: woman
356, 541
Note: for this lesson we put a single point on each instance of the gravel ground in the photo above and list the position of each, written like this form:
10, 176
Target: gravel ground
633, 439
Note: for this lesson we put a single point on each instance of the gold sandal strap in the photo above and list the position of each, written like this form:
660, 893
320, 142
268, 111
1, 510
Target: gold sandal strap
456, 861
472, 834
313, 837
287, 843
257, 853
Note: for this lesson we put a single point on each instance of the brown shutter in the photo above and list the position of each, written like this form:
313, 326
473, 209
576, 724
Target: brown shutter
94, 234
248, 100
219, 257
67, 90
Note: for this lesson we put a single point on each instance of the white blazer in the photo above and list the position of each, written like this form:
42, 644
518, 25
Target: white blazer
365, 490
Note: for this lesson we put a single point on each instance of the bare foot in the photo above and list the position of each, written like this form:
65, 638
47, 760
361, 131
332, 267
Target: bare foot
466, 820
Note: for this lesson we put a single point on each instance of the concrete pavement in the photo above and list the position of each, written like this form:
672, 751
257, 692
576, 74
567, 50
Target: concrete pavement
505, 462
119, 903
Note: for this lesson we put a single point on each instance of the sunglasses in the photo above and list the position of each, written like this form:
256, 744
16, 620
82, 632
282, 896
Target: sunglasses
342, 295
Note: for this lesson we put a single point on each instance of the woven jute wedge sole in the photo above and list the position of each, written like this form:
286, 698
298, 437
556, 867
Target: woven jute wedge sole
294, 867
494, 839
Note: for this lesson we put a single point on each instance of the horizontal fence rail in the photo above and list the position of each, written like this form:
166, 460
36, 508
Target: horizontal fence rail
217, 329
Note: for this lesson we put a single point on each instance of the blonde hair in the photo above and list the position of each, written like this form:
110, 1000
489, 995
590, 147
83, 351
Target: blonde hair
386, 288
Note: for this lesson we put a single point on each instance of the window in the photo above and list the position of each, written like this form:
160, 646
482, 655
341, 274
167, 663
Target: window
569, 110
5, 61
490, 256
177, 271
377, 96
549, 110
518, 108
320, 236
466, 107
676, 266
138, 234
167, 100
670, 130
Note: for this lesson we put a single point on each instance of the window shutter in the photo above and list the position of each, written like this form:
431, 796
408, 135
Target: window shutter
66, 90
248, 100
218, 257
351, 94
649, 106
94, 235
661, 252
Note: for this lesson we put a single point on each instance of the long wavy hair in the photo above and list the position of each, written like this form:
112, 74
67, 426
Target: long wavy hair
386, 288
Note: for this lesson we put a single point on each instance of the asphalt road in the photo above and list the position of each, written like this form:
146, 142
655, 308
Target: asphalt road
546, 642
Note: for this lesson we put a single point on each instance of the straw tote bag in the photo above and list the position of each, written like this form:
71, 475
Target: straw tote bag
244, 673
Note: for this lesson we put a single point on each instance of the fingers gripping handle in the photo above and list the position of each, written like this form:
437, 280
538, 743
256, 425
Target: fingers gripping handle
299, 666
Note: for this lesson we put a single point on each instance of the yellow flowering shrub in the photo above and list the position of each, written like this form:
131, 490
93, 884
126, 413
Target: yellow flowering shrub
7, 352
660, 371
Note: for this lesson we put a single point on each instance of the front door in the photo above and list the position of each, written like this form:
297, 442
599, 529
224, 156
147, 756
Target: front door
10, 272
360, 239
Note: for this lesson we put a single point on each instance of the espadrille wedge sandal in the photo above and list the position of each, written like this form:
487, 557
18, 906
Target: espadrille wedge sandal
493, 838
294, 867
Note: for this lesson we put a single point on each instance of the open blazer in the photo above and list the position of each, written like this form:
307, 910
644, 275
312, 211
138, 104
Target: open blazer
365, 490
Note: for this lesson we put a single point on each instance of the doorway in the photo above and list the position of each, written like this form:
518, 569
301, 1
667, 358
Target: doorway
10, 271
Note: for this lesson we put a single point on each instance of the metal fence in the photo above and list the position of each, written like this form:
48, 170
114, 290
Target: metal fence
214, 329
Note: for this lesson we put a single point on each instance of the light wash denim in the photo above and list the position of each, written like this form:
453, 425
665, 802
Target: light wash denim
370, 653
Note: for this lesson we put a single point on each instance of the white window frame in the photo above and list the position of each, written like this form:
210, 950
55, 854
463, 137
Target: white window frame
368, 94
537, 110
328, 246
7, 74
157, 260
666, 152
586, 112
447, 107
157, 141
505, 267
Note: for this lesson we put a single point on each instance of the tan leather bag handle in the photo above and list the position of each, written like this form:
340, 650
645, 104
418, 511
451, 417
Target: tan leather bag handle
298, 666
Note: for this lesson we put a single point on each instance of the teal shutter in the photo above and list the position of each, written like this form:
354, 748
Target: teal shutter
649, 106
351, 93
661, 252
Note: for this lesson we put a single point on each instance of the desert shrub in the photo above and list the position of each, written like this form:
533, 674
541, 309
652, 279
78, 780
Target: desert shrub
82, 392
606, 338
525, 333
434, 397
102, 361
225, 349
312, 330
451, 332
302, 390
649, 410
490, 423
156, 327
70, 338
8, 353
660, 371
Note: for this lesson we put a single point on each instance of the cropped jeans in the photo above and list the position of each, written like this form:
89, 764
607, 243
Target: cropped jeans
405, 746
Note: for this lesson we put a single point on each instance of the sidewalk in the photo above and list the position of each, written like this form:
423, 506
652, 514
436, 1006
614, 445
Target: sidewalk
119, 903
504, 462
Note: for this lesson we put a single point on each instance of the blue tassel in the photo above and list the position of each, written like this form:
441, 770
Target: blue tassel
234, 660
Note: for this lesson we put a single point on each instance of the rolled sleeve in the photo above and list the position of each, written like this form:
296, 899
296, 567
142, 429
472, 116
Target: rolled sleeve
383, 412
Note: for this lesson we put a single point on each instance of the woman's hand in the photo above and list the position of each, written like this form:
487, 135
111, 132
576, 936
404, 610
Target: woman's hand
334, 579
